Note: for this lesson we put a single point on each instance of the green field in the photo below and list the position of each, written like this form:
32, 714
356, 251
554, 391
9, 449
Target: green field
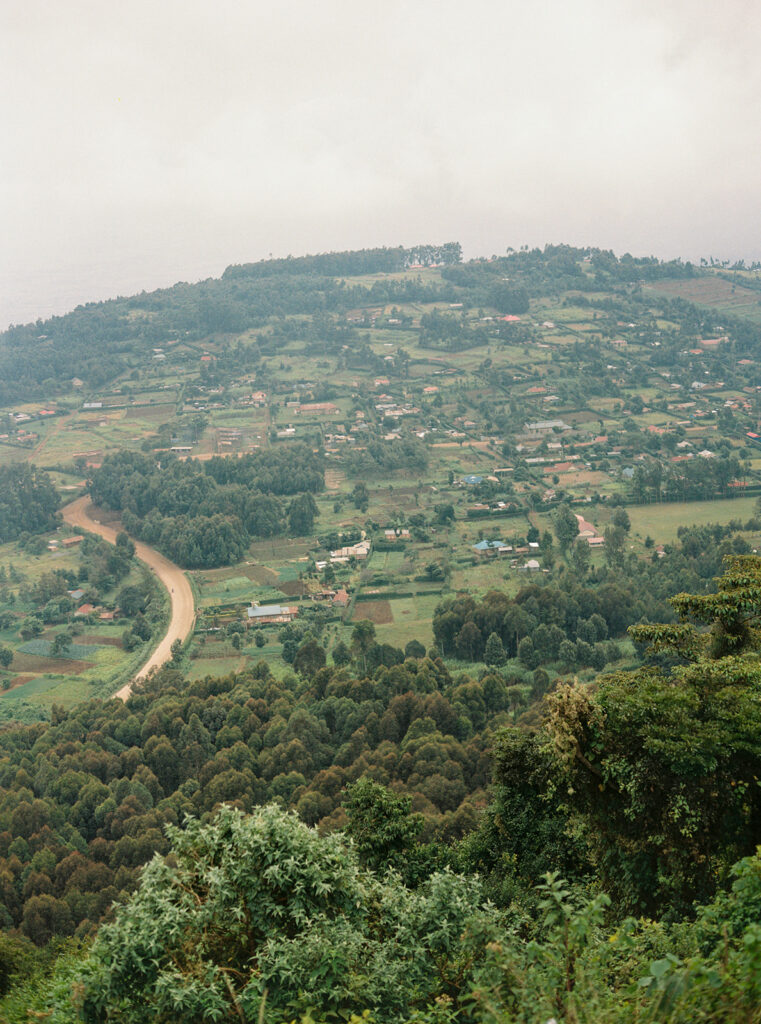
661, 522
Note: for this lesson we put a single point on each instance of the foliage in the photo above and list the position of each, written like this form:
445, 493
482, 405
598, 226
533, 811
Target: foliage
385, 834
260, 916
205, 514
525, 832
662, 766
84, 798
536, 623
28, 501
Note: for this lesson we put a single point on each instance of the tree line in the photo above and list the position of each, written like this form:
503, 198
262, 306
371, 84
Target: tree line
348, 264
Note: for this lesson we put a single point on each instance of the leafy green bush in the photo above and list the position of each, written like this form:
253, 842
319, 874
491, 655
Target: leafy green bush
261, 912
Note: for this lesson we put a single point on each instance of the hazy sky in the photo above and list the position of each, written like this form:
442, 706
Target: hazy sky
151, 141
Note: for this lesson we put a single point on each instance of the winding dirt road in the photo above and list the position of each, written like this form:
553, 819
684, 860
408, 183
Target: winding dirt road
174, 579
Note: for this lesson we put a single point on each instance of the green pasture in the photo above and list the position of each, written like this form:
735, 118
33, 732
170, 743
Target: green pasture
201, 667
661, 522
412, 620
10, 454
47, 690
31, 567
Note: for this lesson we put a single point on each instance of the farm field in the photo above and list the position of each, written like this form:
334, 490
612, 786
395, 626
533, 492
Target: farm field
662, 521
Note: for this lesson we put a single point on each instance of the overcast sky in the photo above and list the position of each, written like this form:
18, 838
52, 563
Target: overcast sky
151, 141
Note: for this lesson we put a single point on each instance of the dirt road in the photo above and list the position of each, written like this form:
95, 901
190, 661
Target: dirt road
174, 579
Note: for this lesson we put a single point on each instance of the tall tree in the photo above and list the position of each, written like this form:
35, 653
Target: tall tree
662, 765
566, 526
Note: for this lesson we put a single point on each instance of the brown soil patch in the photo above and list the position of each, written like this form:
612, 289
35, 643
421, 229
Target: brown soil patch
581, 416
293, 588
465, 444
64, 666
19, 681
104, 515
262, 575
378, 612
333, 479
106, 641
591, 478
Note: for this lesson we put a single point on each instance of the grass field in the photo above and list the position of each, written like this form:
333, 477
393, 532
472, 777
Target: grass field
410, 618
661, 522
51, 689
716, 292
201, 667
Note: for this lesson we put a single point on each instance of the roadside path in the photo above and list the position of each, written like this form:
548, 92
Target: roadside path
77, 514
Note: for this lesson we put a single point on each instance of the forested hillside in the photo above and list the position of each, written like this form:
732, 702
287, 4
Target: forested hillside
28, 502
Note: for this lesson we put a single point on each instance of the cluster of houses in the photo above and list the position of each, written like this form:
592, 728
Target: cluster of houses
270, 614
67, 542
391, 408
499, 549
281, 614
399, 533
341, 556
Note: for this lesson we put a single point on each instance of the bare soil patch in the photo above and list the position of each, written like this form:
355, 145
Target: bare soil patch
293, 588
106, 641
378, 612
333, 479
66, 666
19, 681
105, 516
589, 477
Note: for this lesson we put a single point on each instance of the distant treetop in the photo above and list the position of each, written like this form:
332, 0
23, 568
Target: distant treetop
358, 261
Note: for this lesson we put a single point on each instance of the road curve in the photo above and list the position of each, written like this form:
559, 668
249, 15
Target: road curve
174, 579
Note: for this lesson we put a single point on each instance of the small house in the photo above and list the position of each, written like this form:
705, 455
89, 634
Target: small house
270, 614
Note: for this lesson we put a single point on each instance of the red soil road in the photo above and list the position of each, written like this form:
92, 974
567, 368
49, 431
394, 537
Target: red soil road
77, 515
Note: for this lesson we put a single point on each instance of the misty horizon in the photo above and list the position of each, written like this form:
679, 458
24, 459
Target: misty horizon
152, 144
70, 289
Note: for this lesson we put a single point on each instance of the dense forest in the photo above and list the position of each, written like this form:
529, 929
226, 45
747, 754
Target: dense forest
206, 514
99, 783
28, 502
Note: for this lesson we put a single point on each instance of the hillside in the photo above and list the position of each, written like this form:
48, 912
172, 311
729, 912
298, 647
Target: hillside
430, 512
441, 410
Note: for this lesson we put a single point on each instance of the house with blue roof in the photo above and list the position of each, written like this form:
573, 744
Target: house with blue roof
490, 548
